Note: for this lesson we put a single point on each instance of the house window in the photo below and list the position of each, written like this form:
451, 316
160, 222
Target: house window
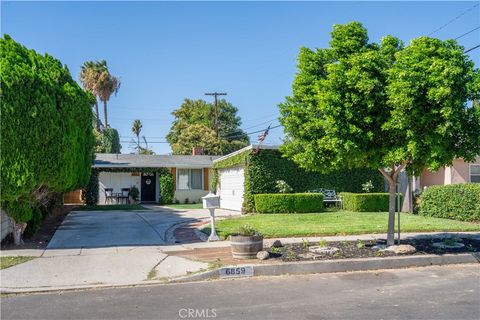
475, 173
188, 179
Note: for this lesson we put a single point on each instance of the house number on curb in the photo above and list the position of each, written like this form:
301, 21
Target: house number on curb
233, 272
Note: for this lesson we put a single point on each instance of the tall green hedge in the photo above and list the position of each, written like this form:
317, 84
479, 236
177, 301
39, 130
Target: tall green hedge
365, 202
289, 202
46, 121
167, 188
456, 201
262, 170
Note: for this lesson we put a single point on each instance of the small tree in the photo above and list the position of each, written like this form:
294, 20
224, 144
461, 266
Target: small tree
383, 106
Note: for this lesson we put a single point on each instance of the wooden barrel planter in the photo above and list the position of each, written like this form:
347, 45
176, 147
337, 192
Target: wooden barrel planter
246, 247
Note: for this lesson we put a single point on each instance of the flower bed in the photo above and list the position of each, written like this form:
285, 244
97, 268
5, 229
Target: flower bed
365, 249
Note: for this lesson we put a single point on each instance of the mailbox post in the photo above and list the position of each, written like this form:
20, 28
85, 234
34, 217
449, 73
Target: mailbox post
211, 202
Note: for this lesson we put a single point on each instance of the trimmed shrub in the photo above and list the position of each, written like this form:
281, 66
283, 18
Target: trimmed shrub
456, 201
167, 189
289, 203
365, 202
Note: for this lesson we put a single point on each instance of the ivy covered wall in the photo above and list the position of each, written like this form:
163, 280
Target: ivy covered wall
262, 170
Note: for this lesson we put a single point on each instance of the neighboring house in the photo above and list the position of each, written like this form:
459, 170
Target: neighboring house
191, 174
459, 172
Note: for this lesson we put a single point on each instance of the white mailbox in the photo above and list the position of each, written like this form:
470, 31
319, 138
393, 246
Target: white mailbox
211, 201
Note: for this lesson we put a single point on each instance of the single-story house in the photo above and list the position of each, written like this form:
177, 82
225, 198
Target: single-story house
192, 174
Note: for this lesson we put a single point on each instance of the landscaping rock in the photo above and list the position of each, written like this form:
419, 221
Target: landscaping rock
263, 255
276, 244
401, 249
323, 250
443, 245
379, 247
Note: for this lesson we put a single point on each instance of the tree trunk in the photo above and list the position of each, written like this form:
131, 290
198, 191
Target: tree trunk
105, 112
98, 116
18, 229
391, 213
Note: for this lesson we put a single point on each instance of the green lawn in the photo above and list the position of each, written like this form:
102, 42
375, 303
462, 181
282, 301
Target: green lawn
185, 206
336, 223
6, 262
107, 207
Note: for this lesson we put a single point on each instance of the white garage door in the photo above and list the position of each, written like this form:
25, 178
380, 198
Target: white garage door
231, 188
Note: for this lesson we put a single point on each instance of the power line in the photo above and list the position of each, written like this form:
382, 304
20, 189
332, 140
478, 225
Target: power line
471, 49
260, 124
454, 19
463, 35
250, 133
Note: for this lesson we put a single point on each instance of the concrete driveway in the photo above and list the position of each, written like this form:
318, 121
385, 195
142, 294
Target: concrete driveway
97, 229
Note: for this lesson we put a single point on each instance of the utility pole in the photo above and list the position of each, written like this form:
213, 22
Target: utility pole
216, 94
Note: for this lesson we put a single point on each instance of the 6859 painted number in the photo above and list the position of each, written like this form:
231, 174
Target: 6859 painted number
245, 271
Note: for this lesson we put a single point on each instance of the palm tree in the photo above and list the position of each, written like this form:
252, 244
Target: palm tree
89, 76
107, 84
136, 129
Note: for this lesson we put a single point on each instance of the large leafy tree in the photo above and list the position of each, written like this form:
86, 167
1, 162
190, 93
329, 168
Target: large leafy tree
47, 141
194, 126
381, 105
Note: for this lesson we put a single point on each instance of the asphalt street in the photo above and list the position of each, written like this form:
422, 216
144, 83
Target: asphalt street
448, 292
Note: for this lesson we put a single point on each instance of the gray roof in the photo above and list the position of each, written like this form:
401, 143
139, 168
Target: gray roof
113, 160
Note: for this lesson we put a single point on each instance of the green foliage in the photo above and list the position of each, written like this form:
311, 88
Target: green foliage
365, 104
167, 189
194, 126
268, 166
289, 203
247, 230
46, 126
365, 202
90, 192
283, 187
382, 105
456, 201
134, 193
215, 180
235, 160
34, 223
367, 186
108, 141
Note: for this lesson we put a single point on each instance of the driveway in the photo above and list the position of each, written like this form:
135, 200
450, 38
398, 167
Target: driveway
97, 229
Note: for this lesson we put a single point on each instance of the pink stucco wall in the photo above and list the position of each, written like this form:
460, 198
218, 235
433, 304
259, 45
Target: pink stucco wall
458, 173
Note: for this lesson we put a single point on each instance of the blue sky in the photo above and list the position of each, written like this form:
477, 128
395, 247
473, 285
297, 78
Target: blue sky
165, 52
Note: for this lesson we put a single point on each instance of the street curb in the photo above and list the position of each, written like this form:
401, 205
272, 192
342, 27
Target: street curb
292, 268
344, 265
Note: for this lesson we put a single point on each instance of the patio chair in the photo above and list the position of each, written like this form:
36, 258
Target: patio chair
124, 195
109, 197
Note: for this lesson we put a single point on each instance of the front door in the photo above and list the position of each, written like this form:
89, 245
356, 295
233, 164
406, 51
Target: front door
148, 187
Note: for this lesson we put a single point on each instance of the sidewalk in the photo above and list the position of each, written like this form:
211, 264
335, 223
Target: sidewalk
60, 269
